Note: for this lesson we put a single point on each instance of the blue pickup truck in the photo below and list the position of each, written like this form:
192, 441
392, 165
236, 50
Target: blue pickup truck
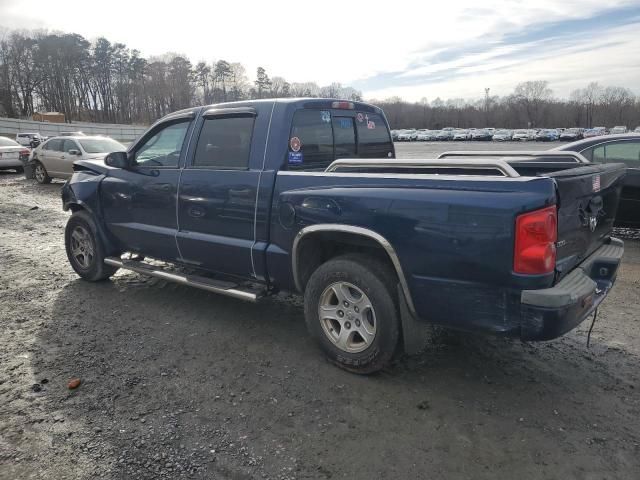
247, 199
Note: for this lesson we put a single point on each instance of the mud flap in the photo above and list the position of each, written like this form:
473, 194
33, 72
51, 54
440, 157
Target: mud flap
415, 333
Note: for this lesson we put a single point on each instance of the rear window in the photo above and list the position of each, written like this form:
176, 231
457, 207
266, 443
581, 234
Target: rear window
318, 137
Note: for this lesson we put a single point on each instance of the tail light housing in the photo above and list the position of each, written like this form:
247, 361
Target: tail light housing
536, 237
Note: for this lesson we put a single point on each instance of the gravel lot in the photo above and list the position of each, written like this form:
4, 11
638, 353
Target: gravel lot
180, 383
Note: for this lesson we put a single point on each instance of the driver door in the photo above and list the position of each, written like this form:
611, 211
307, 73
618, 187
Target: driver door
140, 202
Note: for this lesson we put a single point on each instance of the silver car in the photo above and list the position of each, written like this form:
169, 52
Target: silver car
11, 153
54, 158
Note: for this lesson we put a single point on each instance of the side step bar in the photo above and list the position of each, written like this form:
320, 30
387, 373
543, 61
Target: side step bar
216, 286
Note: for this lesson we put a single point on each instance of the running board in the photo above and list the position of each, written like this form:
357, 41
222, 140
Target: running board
216, 286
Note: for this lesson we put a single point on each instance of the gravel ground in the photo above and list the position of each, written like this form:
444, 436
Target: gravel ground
180, 383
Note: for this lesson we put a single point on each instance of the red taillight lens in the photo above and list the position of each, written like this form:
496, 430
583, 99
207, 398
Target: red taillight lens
536, 236
26, 151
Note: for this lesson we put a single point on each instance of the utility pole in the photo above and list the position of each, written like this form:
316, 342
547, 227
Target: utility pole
486, 105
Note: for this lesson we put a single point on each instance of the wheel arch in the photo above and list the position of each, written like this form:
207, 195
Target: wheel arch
332, 239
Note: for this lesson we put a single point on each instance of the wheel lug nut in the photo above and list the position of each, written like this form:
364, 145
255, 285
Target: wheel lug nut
356, 309
340, 313
347, 325
357, 323
346, 304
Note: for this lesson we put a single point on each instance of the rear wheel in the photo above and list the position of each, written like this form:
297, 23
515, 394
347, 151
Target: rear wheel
351, 310
40, 174
84, 248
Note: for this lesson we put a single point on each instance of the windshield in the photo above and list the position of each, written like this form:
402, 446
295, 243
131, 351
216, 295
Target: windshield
573, 130
6, 142
101, 145
502, 132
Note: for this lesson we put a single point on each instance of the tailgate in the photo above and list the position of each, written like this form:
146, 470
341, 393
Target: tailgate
587, 204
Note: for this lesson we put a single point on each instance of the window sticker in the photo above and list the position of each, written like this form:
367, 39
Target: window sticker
371, 125
326, 116
360, 117
345, 123
295, 144
295, 158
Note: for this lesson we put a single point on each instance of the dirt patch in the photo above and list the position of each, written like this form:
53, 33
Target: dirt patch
180, 383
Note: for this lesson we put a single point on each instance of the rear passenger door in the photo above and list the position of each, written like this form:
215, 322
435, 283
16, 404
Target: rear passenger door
217, 197
50, 155
66, 159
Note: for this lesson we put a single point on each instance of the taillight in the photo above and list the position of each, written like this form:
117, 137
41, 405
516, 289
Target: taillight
26, 151
536, 236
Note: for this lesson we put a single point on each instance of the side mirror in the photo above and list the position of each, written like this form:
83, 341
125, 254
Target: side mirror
73, 151
118, 160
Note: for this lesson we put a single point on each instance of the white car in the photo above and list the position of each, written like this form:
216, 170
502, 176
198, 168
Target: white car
25, 138
523, 135
618, 129
425, 135
461, 135
12, 154
502, 135
407, 135
54, 158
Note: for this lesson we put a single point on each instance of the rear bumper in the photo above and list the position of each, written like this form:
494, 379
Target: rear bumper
551, 312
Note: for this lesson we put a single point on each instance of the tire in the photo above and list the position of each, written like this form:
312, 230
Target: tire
40, 173
85, 250
359, 340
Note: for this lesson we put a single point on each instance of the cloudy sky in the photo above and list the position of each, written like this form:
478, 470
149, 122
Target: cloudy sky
411, 49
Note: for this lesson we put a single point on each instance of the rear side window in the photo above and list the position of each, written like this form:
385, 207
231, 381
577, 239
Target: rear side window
54, 145
224, 142
374, 140
311, 140
624, 152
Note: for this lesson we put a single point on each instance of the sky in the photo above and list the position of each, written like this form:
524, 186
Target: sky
411, 49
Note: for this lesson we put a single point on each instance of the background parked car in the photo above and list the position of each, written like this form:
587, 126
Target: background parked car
637, 130
25, 138
482, 134
523, 135
71, 134
461, 135
594, 132
407, 135
503, 135
618, 129
426, 135
617, 149
55, 157
444, 135
548, 135
12, 155
572, 134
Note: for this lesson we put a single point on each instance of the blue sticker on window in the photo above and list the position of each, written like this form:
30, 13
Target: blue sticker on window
295, 158
345, 123
325, 115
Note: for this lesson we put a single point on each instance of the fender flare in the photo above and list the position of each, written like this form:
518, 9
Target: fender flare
354, 230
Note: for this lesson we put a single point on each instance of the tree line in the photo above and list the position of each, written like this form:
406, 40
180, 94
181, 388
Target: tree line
531, 104
102, 81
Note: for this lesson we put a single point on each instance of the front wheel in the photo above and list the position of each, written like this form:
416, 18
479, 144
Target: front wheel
41, 174
84, 248
351, 310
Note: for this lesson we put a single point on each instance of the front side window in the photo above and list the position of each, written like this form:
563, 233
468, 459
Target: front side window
224, 143
164, 147
69, 145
